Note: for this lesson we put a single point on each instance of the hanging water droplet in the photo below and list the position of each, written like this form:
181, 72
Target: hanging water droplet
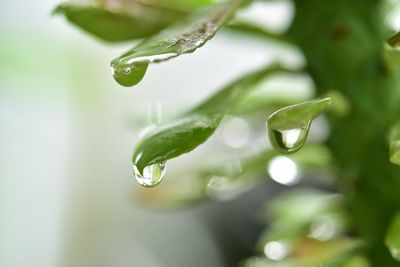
288, 140
151, 175
129, 75
288, 127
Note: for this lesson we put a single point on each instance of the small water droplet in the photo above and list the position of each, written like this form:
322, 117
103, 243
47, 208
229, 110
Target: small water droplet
151, 175
288, 140
130, 75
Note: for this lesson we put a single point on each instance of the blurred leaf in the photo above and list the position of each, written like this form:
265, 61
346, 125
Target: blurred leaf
183, 37
395, 144
184, 4
224, 180
340, 105
307, 253
394, 41
195, 127
288, 127
130, 20
392, 239
357, 261
253, 29
304, 213
302, 205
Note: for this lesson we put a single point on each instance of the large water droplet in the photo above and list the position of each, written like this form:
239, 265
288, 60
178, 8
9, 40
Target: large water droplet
288, 140
129, 75
151, 175
288, 127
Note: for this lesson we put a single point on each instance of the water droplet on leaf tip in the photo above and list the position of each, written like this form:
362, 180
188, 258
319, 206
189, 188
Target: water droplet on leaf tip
151, 175
288, 141
129, 75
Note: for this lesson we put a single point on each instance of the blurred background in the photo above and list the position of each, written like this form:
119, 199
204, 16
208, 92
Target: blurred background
68, 196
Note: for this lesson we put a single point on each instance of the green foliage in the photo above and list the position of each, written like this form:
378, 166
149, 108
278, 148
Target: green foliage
393, 237
343, 44
196, 126
183, 37
395, 144
115, 25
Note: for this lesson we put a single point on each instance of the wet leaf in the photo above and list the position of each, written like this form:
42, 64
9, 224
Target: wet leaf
185, 4
196, 126
182, 37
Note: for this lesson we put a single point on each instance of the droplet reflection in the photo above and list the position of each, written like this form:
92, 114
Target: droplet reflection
288, 140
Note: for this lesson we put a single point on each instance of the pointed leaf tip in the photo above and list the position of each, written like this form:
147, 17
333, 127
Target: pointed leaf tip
185, 36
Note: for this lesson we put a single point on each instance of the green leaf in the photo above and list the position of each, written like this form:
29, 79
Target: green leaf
171, 140
114, 24
395, 144
195, 127
288, 127
252, 29
392, 239
213, 180
183, 37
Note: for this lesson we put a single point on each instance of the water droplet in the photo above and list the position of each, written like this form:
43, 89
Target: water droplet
151, 175
288, 140
288, 127
130, 75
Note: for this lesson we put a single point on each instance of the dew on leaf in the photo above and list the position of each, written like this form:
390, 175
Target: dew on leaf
151, 175
288, 127
129, 75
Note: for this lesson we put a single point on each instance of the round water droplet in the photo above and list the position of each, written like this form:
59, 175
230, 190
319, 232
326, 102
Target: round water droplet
129, 75
151, 175
288, 141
